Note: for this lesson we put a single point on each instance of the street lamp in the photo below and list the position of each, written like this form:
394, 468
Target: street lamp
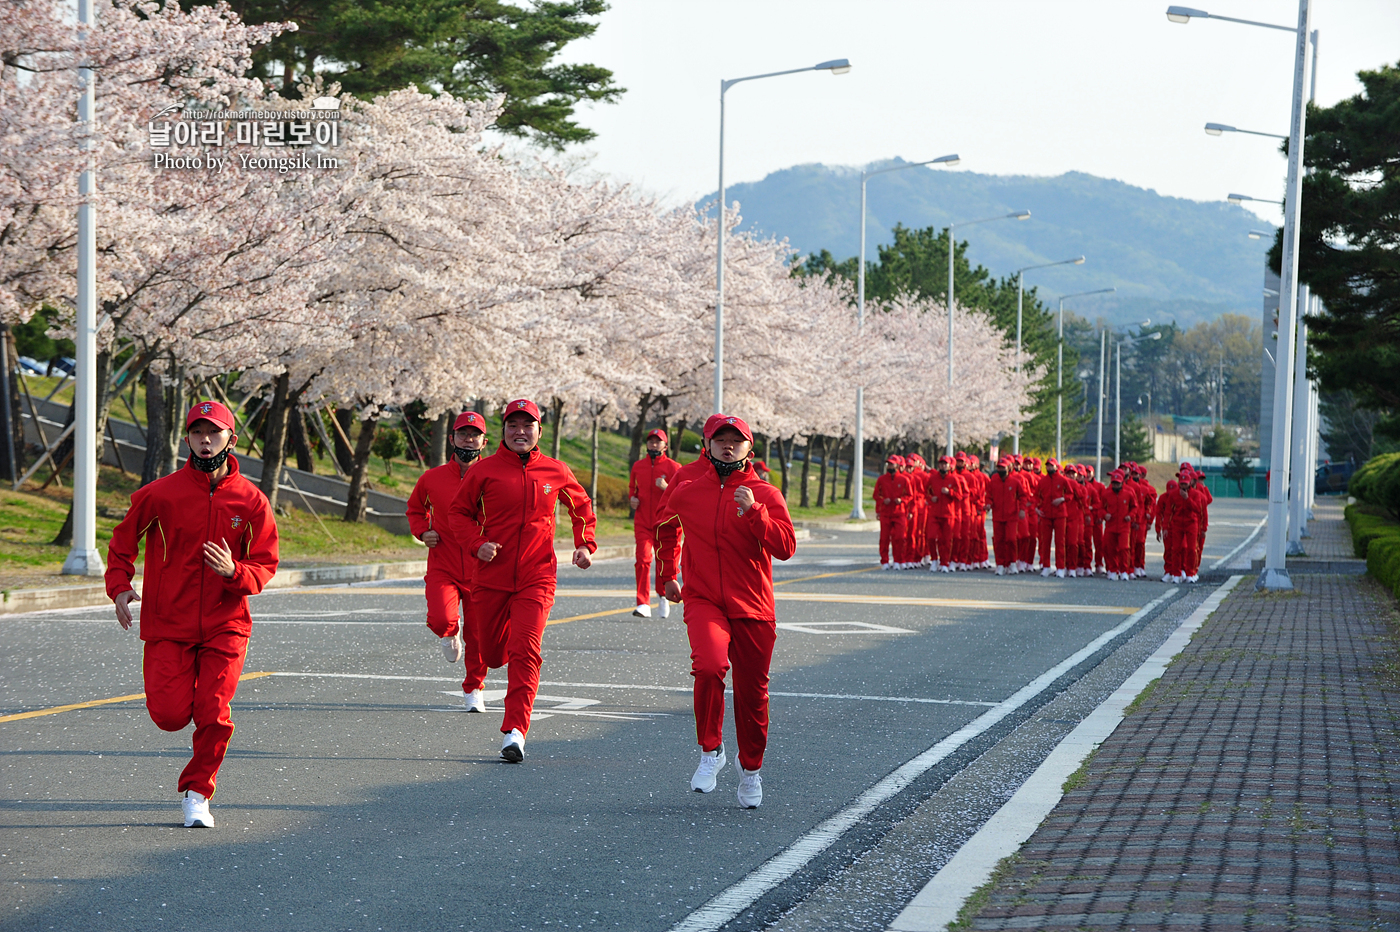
1020, 294
1241, 198
1215, 129
835, 66
1060, 369
858, 452
1261, 234
1015, 215
1275, 575
1118, 393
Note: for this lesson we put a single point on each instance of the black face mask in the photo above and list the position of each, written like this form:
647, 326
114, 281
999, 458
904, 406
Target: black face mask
653, 454
211, 464
466, 456
724, 469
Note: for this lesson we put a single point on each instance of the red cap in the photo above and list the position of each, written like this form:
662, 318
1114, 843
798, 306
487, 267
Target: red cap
213, 412
718, 421
761, 466
915, 458
470, 419
521, 404
1052, 462
895, 458
961, 455
659, 433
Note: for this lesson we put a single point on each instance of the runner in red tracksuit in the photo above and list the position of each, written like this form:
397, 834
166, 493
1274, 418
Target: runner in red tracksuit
891, 500
735, 525
1199, 484
916, 474
962, 532
448, 581
980, 556
504, 513
1074, 519
1008, 500
211, 541
1165, 503
1120, 508
1096, 491
1188, 509
1027, 530
1031, 470
1051, 494
944, 493
646, 484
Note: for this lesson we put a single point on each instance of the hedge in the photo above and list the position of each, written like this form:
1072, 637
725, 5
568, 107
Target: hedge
1383, 562
1378, 483
1366, 527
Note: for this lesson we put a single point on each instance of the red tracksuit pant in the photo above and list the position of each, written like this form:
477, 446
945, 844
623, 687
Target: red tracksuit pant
1028, 540
940, 538
1096, 529
510, 627
1052, 529
1188, 553
444, 595
716, 644
661, 543
892, 534
1118, 551
195, 681
1004, 541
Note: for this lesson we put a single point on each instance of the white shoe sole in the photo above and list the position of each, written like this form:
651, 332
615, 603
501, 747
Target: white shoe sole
709, 786
513, 753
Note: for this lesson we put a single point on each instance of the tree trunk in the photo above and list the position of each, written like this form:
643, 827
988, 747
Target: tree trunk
437, 443
593, 467
821, 477
297, 440
639, 427
345, 417
679, 441
556, 408
784, 450
165, 397
275, 441
805, 500
358, 499
855, 471
836, 464
12, 447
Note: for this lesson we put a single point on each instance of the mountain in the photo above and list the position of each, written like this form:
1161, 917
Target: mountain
1170, 258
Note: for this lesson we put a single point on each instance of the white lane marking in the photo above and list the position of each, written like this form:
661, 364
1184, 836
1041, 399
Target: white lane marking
787, 595
937, 904
567, 705
841, 627
664, 689
1243, 544
783, 865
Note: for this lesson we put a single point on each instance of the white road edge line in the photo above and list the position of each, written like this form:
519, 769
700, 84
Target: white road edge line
937, 904
1243, 544
784, 864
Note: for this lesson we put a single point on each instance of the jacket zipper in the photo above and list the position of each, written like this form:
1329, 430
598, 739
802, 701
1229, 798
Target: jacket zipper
719, 554
520, 530
208, 534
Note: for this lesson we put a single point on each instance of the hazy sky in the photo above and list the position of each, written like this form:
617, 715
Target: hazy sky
1036, 87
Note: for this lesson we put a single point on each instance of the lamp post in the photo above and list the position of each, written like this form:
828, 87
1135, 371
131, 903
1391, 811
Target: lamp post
836, 66
1302, 470
1015, 215
1275, 574
1060, 370
858, 448
1241, 198
83, 558
1020, 295
1118, 390
1215, 129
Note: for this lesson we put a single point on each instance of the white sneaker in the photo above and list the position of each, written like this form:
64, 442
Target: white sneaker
945, 568
750, 789
665, 610
1001, 571
1046, 572
934, 567
196, 810
1060, 574
1166, 577
1193, 579
925, 561
707, 774
886, 566
513, 746
452, 647
475, 701
643, 610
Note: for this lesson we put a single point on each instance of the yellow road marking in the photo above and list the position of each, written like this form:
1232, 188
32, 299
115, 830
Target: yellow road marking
96, 702
953, 603
613, 611
825, 575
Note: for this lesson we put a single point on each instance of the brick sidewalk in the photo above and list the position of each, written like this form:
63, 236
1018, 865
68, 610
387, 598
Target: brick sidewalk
1256, 786
1330, 534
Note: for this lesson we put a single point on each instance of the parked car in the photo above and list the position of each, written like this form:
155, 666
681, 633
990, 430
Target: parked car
1332, 478
64, 365
33, 366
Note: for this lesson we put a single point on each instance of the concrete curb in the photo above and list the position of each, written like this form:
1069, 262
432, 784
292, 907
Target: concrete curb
21, 601
835, 526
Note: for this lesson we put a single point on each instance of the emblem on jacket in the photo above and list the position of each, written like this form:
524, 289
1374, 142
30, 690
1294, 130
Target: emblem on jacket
547, 487
237, 522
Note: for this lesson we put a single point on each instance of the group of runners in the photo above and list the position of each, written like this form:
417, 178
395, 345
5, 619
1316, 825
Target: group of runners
1056, 519
488, 521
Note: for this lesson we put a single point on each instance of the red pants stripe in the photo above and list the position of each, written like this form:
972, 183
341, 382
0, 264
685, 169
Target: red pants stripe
661, 542
444, 594
510, 628
716, 644
195, 682
940, 539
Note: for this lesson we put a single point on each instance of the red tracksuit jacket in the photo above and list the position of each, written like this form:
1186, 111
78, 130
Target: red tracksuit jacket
182, 599
510, 501
728, 558
428, 509
1120, 509
1051, 487
889, 485
642, 485
1007, 497
944, 505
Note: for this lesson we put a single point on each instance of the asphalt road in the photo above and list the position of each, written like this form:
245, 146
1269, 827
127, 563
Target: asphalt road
357, 794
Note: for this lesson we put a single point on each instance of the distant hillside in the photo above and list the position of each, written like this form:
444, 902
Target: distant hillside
1170, 258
